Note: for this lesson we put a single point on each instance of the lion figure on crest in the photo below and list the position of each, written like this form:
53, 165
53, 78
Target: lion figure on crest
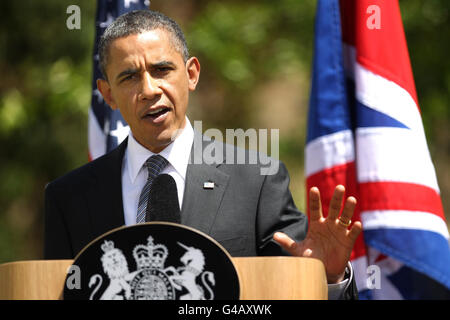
116, 267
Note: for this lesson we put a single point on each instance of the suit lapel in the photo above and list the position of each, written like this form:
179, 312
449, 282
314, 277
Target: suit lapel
105, 192
200, 204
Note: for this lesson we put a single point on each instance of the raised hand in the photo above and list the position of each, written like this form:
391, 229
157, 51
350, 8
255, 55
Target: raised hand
328, 239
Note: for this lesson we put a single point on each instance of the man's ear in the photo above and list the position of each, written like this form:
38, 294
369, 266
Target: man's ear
105, 89
193, 70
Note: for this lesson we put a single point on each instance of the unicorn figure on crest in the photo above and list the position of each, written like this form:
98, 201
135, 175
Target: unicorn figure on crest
194, 263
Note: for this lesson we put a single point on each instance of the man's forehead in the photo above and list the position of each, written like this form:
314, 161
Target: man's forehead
153, 39
155, 43
153, 35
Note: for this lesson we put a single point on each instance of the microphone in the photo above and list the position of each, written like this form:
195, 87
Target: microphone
162, 202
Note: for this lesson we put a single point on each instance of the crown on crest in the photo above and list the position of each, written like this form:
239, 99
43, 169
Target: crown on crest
107, 246
150, 255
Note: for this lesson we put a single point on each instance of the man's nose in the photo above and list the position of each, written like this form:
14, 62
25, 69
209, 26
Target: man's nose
150, 87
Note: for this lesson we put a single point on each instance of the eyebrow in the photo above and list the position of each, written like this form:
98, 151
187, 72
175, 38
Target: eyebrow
128, 72
163, 64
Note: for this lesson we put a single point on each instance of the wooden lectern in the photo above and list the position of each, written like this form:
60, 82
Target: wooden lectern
260, 278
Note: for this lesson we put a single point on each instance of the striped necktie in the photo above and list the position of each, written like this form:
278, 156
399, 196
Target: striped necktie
155, 164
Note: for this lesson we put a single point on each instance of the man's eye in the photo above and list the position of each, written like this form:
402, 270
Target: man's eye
163, 69
129, 77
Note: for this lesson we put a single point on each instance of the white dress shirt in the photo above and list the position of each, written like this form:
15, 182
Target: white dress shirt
134, 175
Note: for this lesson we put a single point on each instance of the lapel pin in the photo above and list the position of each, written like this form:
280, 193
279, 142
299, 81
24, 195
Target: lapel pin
208, 185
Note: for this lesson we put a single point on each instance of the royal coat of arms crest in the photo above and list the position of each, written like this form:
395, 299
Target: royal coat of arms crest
152, 280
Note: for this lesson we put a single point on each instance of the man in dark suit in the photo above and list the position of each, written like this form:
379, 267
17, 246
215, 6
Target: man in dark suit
148, 76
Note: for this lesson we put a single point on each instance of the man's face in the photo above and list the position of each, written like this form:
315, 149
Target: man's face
149, 83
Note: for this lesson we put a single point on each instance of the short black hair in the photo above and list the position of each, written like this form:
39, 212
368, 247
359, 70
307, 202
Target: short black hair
136, 22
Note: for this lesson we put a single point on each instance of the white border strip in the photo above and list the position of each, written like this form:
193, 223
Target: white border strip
381, 94
403, 219
394, 154
329, 151
385, 96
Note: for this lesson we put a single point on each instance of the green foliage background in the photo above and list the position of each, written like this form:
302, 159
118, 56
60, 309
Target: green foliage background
256, 60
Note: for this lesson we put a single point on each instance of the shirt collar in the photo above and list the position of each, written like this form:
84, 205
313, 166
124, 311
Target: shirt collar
177, 153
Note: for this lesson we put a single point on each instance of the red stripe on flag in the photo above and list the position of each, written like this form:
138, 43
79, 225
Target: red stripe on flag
382, 50
400, 196
326, 180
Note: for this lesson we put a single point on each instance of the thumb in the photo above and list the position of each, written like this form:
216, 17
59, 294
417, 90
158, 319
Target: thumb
287, 243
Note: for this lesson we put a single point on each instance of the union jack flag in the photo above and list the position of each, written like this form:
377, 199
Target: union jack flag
365, 132
106, 127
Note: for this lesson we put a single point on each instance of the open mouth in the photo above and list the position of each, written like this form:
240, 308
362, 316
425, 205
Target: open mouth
154, 114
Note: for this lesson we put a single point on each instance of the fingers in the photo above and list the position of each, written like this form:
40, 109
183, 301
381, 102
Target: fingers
315, 205
349, 208
355, 231
336, 202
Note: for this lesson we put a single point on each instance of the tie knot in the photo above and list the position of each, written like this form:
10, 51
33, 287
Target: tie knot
155, 164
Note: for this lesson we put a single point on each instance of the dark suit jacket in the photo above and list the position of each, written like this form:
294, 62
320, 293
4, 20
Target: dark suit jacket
242, 212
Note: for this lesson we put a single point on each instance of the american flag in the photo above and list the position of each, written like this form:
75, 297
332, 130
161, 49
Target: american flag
365, 132
106, 127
